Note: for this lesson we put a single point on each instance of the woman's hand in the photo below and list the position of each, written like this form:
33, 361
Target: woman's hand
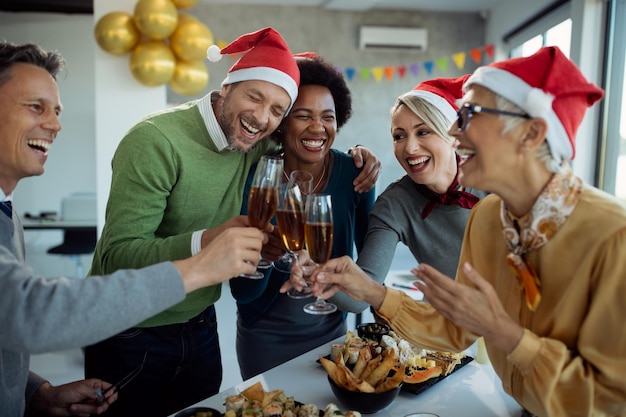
474, 307
372, 167
79, 398
343, 274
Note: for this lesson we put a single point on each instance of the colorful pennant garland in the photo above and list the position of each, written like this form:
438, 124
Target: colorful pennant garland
388, 72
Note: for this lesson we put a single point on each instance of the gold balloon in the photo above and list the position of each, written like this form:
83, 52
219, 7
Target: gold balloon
156, 19
184, 4
190, 77
185, 18
152, 63
116, 33
191, 40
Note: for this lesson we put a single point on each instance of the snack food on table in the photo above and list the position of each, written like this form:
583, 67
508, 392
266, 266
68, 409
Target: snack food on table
332, 410
254, 401
372, 369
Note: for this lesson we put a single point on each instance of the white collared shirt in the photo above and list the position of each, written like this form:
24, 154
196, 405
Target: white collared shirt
218, 137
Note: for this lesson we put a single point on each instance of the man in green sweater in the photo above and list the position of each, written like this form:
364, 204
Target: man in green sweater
178, 179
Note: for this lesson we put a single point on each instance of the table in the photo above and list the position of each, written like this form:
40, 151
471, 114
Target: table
472, 391
79, 225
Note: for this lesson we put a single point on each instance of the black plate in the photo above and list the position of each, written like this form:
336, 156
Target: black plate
423, 386
192, 412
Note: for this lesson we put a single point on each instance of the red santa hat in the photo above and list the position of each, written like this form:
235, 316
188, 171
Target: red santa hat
442, 93
266, 57
547, 85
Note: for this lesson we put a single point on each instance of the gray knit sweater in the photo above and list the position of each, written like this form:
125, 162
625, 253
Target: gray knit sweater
42, 315
396, 217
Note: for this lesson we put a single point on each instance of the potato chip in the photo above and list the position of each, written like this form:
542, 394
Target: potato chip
254, 392
382, 370
331, 369
365, 354
391, 382
268, 397
371, 365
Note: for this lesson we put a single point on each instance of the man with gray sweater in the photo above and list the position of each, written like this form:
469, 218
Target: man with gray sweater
40, 315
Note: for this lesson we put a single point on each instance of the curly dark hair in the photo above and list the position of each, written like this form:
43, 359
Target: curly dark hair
28, 53
316, 71
319, 72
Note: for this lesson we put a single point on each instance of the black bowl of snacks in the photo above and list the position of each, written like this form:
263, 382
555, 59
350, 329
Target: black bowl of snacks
199, 412
372, 331
364, 402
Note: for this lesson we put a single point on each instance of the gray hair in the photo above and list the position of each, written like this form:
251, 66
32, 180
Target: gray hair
543, 153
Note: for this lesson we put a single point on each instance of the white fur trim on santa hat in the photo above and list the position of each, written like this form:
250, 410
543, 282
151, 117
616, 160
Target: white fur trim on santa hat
213, 53
268, 74
533, 101
441, 103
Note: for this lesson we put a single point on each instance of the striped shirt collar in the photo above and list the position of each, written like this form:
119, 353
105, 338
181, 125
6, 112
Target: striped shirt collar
210, 121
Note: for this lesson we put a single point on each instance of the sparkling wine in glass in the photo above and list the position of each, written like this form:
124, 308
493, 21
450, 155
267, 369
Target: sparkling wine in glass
290, 219
263, 198
318, 235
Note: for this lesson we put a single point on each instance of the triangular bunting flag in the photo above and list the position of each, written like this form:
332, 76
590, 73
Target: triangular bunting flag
350, 73
428, 66
442, 64
476, 54
365, 73
401, 71
415, 69
489, 50
459, 59
378, 73
389, 73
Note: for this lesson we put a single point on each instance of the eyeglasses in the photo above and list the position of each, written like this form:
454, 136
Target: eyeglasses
466, 111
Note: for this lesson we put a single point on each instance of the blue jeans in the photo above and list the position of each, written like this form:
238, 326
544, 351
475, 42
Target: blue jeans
182, 366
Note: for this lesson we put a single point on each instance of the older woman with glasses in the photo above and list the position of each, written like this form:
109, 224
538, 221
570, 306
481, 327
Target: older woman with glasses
542, 266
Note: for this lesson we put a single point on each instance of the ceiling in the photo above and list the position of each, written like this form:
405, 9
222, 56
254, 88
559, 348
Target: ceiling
86, 6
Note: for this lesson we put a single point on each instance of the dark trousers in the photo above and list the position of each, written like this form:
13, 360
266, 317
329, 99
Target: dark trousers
182, 366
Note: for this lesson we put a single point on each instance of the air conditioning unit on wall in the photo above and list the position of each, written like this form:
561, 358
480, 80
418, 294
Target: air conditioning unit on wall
389, 37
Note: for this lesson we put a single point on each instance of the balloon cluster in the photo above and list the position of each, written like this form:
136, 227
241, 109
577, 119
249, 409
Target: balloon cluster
166, 46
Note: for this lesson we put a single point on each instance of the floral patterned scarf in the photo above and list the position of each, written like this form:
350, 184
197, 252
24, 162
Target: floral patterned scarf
552, 208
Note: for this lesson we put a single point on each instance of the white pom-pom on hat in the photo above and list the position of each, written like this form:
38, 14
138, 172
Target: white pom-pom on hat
214, 54
538, 102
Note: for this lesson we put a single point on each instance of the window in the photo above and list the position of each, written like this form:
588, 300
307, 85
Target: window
558, 35
612, 158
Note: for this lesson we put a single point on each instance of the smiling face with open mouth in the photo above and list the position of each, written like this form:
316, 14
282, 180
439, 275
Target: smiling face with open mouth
426, 157
29, 122
251, 110
489, 153
311, 126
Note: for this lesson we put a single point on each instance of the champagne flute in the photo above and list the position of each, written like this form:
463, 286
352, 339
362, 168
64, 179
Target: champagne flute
290, 219
318, 235
263, 198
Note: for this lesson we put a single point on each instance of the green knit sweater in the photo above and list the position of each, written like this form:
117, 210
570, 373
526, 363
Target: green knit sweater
169, 181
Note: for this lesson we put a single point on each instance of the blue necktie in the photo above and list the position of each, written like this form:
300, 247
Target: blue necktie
7, 208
